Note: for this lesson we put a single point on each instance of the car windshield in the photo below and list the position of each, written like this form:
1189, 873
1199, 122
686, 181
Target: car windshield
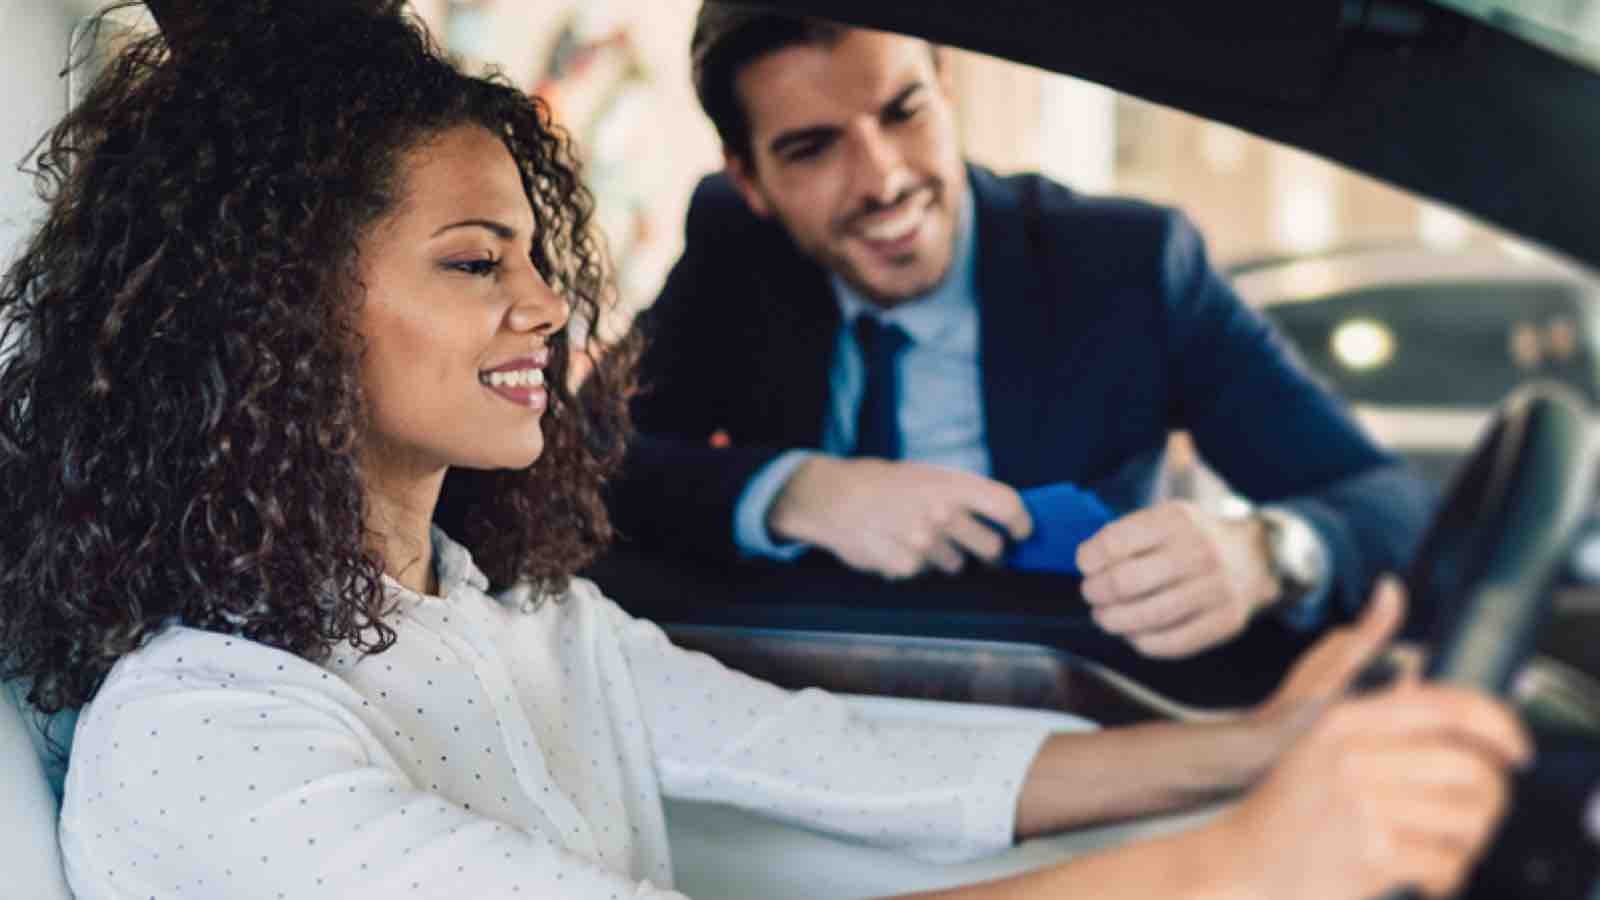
1569, 27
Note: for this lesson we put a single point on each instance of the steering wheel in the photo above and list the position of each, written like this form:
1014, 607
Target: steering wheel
1485, 567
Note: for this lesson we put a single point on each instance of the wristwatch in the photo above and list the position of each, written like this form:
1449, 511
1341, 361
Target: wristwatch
1294, 552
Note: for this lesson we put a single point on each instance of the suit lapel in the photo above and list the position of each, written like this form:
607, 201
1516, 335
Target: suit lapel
792, 377
1015, 330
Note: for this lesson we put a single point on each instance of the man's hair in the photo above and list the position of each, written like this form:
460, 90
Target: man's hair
726, 39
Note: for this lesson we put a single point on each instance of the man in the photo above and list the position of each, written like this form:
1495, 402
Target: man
870, 346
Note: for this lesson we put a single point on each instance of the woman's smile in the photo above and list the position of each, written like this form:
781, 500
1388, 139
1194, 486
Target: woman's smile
520, 381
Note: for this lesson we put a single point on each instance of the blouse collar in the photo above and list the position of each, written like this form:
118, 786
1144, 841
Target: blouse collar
458, 574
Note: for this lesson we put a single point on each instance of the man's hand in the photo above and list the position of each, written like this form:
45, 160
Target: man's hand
897, 519
1402, 788
1175, 580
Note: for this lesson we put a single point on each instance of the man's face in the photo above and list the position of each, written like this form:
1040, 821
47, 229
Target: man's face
853, 148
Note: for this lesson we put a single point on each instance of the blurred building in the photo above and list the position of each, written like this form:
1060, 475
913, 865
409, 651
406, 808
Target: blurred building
1251, 198
616, 72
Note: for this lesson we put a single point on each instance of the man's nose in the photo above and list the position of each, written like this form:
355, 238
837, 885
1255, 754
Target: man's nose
881, 174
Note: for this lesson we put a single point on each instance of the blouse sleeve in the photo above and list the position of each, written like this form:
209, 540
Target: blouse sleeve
941, 793
219, 784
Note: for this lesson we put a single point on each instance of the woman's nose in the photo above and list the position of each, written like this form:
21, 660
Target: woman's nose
538, 309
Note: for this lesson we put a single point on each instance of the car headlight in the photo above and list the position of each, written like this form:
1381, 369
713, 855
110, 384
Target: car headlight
1363, 344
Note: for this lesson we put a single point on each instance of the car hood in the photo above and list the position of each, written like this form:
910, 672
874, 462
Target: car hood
1413, 93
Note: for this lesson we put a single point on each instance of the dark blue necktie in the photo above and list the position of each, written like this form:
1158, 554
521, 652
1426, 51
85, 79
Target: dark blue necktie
878, 420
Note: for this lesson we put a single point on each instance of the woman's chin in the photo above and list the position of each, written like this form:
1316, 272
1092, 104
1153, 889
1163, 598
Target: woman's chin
510, 458
527, 459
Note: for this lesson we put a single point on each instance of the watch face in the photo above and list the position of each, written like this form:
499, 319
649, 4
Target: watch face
1296, 552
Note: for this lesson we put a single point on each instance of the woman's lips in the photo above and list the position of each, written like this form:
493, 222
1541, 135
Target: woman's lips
520, 382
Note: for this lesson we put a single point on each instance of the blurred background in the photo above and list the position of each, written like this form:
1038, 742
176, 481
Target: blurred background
1422, 318
617, 73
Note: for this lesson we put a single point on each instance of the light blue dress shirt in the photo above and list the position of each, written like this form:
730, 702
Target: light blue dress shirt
941, 404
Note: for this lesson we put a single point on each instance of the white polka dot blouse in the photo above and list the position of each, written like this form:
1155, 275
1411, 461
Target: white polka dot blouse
503, 747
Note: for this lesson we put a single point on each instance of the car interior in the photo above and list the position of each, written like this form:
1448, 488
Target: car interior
1431, 97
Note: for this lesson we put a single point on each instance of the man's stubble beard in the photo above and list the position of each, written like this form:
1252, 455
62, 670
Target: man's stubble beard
842, 265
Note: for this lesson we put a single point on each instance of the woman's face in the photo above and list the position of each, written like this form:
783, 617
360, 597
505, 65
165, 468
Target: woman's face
456, 318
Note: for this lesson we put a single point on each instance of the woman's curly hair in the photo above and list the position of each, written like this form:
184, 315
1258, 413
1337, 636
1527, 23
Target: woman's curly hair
179, 400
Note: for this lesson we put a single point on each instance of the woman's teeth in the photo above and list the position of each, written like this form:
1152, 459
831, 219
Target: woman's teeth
513, 378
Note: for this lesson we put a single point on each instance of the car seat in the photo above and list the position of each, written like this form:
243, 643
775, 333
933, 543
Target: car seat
30, 800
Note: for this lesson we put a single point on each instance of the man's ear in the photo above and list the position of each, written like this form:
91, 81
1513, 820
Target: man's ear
741, 172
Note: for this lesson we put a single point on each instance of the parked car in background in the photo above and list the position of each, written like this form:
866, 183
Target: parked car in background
1424, 344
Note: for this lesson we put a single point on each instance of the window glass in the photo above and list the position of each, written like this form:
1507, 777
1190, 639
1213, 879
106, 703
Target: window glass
1571, 27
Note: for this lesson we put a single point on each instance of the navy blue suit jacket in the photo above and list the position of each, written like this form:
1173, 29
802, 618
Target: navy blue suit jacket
1103, 328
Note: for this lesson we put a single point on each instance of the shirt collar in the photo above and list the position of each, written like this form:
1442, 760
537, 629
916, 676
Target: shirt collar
454, 566
927, 317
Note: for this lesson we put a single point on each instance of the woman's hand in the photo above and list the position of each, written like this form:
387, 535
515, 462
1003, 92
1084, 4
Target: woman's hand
1326, 671
1401, 788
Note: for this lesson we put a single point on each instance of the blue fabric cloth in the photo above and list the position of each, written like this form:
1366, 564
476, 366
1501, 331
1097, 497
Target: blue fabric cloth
1064, 516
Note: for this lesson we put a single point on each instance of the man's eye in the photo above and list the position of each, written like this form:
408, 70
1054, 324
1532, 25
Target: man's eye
478, 267
805, 152
900, 113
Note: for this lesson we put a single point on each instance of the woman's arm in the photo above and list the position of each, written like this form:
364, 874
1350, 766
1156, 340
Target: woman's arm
1402, 788
1120, 773
1394, 790
933, 791
1103, 776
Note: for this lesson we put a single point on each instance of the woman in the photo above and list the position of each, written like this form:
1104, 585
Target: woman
295, 324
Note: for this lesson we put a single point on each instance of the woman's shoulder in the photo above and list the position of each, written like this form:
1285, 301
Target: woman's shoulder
187, 673
179, 653
211, 694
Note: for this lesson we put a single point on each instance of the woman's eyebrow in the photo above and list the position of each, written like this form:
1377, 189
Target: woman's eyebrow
499, 229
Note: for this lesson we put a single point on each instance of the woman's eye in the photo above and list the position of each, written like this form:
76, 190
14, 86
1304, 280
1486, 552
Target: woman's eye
478, 267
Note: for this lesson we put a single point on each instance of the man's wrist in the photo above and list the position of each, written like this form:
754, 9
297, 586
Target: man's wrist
1291, 562
1297, 559
790, 518
1269, 586
751, 511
